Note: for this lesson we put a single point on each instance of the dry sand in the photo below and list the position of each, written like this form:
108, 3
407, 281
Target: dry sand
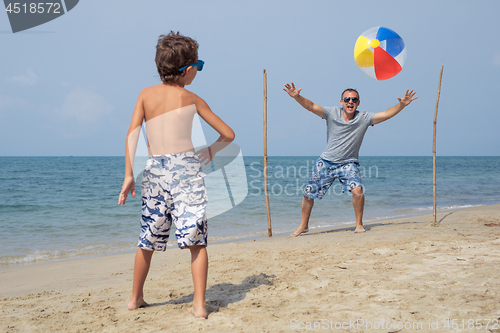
399, 273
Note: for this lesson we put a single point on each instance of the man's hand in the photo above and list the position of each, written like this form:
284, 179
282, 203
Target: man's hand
391, 112
408, 98
290, 90
306, 104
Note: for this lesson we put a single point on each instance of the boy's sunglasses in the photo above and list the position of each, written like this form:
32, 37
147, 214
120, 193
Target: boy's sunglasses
354, 99
199, 64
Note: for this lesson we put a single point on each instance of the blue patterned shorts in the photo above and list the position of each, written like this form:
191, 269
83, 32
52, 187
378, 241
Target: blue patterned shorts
173, 190
325, 172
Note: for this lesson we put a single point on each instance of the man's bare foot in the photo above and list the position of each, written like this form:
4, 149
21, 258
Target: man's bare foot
299, 231
137, 304
198, 312
359, 229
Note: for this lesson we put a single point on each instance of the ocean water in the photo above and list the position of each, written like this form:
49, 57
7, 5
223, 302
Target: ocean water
54, 208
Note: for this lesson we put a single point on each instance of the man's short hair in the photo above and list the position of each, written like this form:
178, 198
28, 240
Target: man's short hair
349, 89
174, 51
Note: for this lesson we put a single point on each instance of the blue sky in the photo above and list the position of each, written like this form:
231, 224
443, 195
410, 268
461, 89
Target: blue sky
68, 87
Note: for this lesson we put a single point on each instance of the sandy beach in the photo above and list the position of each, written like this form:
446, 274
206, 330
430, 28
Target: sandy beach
401, 275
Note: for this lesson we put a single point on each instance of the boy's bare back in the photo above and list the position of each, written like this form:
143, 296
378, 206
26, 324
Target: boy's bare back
162, 98
169, 112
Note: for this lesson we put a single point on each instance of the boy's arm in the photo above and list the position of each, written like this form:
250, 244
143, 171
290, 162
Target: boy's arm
225, 132
306, 104
130, 149
391, 112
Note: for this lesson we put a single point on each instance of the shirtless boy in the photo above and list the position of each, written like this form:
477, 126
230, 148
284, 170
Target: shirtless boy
173, 188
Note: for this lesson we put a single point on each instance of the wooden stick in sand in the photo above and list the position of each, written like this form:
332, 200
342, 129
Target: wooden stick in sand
434, 222
269, 230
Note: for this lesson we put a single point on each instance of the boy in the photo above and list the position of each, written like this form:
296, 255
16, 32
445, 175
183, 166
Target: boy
173, 188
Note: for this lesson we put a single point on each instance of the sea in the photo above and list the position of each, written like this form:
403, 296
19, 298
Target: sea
61, 208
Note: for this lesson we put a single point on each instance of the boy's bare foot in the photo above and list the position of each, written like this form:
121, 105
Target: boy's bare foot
298, 232
133, 305
359, 229
198, 312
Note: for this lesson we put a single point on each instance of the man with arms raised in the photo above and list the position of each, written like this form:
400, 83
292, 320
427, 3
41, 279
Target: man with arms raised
346, 127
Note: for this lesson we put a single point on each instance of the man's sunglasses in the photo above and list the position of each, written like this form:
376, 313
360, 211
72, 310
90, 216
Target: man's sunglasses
199, 64
354, 99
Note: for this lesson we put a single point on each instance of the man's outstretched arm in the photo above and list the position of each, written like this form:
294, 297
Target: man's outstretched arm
391, 112
306, 104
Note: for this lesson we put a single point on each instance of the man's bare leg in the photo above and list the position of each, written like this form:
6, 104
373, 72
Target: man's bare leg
358, 202
141, 269
307, 205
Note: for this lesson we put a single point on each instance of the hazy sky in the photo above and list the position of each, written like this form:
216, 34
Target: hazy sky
68, 87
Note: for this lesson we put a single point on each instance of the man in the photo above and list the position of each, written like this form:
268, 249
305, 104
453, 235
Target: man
346, 127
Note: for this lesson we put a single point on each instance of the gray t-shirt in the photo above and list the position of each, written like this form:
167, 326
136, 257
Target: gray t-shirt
344, 138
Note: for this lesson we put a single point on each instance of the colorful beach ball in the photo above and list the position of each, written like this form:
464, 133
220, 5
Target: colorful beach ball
380, 53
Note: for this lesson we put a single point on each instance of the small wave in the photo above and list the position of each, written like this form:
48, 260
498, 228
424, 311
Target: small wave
444, 207
40, 256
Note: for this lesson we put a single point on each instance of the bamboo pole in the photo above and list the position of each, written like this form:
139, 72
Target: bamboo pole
434, 147
269, 230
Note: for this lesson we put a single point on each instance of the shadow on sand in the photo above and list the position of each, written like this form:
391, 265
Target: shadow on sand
222, 294
367, 227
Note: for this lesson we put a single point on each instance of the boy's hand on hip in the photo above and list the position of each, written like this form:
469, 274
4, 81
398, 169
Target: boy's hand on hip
205, 155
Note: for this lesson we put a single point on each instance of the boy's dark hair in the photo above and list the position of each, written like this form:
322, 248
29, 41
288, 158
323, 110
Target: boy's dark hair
174, 51
349, 89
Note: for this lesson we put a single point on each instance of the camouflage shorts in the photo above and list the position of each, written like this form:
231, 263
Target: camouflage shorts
173, 190
325, 172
